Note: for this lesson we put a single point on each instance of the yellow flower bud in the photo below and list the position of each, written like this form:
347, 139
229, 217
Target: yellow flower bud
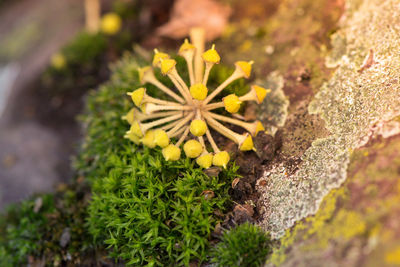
244, 67
221, 159
133, 137
198, 91
148, 139
259, 127
205, 160
143, 108
58, 61
135, 129
232, 103
130, 116
111, 23
167, 65
198, 127
171, 152
260, 93
161, 138
247, 144
186, 46
211, 56
137, 96
192, 148
142, 72
158, 56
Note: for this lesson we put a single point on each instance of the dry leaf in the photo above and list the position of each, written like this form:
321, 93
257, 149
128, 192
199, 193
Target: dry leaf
210, 15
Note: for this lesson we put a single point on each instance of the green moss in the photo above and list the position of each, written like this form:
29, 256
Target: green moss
242, 246
147, 210
21, 231
35, 228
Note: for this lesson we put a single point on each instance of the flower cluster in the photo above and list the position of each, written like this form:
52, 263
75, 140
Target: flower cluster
154, 122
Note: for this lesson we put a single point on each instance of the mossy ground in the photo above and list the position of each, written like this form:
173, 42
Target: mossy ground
147, 210
293, 38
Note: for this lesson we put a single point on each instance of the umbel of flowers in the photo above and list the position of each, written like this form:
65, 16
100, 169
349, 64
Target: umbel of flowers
189, 112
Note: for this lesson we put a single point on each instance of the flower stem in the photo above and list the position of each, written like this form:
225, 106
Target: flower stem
212, 142
161, 121
185, 133
235, 75
197, 36
240, 123
142, 117
222, 129
151, 107
214, 106
179, 125
176, 80
151, 78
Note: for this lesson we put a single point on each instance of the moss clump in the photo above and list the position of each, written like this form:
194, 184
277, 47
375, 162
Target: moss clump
50, 226
147, 210
21, 231
245, 245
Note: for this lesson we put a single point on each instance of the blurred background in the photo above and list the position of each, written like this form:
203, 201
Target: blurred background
51, 54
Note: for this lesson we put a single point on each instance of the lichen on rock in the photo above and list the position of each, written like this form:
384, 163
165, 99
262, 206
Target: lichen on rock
362, 95
274, 110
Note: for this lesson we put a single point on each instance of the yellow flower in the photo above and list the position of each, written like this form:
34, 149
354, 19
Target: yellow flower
167, 65
189, 110
133, 137
161, 138
221, 159
245, 67
148, 139
211, 56
247, 143
58, 61
193, 148
198, 91
171, 152
111, 23
198, 127
232, 103
137, 96
205, 160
